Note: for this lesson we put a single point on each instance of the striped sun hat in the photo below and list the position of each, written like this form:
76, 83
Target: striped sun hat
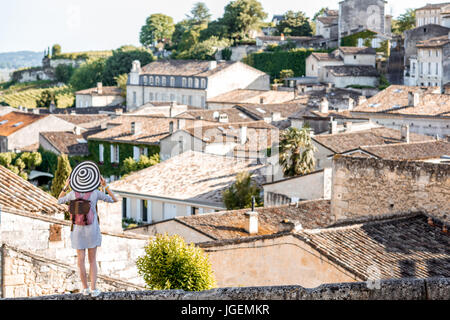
85, 177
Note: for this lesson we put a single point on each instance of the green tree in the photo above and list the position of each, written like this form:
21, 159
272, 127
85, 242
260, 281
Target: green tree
239, 194
180, 28
46, 98
241, 16
286, 73
157, 28
31, 160
56, 50
295, 24
62, 172
405, 21
216, 28
131, 165
199, 14
21, 164
320, 13
63, 72
121, 60
88, 74
121, 82
169, 263
297, 152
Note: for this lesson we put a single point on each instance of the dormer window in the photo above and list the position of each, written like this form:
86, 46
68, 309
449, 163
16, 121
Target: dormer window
157, 81
190, 82
163, 81
172, 81
203, 83
145, 80
183, 82
196, 83
150, 80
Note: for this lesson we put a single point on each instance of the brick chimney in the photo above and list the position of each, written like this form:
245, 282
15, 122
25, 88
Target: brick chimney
99, 88
323, 108
405, 133
136, 128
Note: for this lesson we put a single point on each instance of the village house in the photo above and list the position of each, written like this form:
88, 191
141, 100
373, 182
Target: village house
190, 82
19, 130
188, 184
6, 109
431, 66
166, 109
245, 96
433, 13
412, 38
424, 110
248, 140
99, 96
344, 67
71, 143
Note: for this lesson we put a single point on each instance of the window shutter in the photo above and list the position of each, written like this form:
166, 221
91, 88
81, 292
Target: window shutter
124, 207
117, 157
101, 150
112, 154
136, 154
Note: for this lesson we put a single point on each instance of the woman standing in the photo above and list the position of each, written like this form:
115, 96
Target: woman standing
84, 181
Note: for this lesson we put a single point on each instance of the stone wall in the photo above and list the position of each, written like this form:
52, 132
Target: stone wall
374, 187
25, 274
401, 289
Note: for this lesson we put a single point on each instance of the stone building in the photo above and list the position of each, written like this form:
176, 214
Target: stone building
190, 82
357, 15
433, 13
327, 27
99, 97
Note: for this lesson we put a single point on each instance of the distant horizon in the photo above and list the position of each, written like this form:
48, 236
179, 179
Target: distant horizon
82, 25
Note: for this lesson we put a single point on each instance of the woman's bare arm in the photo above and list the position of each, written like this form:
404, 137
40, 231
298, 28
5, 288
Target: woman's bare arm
63, 191
106, 187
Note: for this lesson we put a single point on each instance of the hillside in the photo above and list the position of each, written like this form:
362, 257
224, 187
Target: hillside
20, 59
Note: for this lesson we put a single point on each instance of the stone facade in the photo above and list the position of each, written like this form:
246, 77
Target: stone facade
28, 275
369, 187
399, 289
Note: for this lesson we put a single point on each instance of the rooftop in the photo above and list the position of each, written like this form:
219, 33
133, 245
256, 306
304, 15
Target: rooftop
399, 247
261, 111
14, 121
86, 121
352, 71
357, 50
68, 142
434, 42
394, 100
233, 115
330, 20
17, 194
231, 224
410, 151
343, 142
323, 56
240, 96
434, 6
106, 91
191, 176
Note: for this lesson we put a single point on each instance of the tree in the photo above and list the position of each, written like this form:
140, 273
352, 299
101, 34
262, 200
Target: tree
62, 173
405, 21
121, 82
295, 24
46, 98
157, 28
287, 73
56, 50
241, 16
88, 74
23, 163
180, 28
131, 165
121, 60
199, 14
239, 194
297, 152
320, 13
63, 72
215, 28
169, 264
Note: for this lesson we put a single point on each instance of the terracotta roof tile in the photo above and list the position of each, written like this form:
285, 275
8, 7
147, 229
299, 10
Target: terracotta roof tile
358, 50
352, 71
434, 42
410, 151
18, 194
68, 142
343, 142
233, 115
401, 247
106, 91
14, 121
231, 224
190, 176
240, 96
261, 111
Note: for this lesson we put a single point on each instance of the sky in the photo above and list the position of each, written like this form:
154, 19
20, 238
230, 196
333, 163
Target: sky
83, 25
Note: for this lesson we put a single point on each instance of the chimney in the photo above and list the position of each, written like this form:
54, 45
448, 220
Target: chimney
171, 127
351, 103
77, 131
405, 133
118, 112
276, 116
223, 118
261, 100
333, 126
136, 128
212, 65
323, 108
413, 99
328, 88
52, 106
99, 88
252, 220
243, 134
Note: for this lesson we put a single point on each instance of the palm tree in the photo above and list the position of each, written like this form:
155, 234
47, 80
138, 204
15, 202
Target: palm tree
297, 151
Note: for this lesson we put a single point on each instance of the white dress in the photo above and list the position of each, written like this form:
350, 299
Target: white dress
87, 237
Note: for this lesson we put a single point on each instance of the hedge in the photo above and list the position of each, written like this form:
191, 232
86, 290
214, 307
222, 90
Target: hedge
273, 62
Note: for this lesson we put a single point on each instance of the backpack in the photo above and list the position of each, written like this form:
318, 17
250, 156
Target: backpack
80, 210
